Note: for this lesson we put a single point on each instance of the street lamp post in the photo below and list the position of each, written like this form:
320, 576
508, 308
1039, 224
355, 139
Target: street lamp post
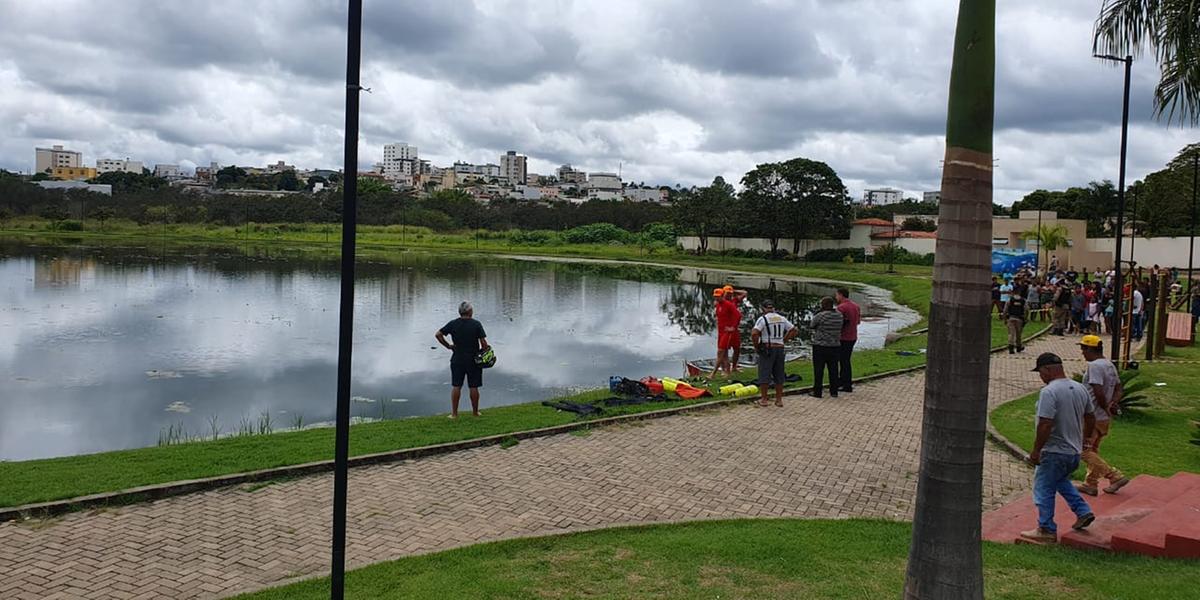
1192, 239
1118, 282
1133, 223
1041, 265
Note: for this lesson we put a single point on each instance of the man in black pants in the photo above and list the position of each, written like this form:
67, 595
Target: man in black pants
851, 317
826, 346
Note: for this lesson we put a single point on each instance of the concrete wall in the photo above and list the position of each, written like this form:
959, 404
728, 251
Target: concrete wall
1162, 251
917, 246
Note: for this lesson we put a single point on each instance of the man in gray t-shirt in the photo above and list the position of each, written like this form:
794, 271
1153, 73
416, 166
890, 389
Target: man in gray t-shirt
1104, 384
1065, 417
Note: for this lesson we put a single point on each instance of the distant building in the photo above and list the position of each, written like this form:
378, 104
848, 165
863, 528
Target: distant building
513, 166
608, 182
72, 173
487, 171
401, 151
400, 169
117, 165
636, 194
280, 167
48, 158
567, 174
167, 171
207, 174
934, 197
99, 188
882, 197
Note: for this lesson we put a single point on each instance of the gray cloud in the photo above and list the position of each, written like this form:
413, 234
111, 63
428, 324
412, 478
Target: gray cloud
673, 90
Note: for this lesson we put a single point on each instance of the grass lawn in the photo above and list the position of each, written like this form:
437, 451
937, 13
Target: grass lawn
775, 559
1152, 441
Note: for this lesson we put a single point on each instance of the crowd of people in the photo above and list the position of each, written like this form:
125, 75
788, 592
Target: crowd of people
1079, 302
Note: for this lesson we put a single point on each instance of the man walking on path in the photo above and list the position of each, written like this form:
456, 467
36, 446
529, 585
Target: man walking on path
1139, 303
1061, 407
1014, 311
770, 332
851, 317
826, 329
469, 339
729, 322
1101, 377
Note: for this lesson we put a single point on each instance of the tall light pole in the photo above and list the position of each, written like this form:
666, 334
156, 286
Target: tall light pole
341, 444
1119, 279
1041, 265
1192, 240
1133, 223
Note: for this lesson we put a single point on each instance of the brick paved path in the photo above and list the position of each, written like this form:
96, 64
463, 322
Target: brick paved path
852, 457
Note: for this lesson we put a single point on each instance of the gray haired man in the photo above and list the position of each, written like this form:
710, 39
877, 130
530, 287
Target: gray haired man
468, 340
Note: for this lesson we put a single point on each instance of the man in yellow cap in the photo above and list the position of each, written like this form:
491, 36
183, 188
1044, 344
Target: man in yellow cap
1104, 383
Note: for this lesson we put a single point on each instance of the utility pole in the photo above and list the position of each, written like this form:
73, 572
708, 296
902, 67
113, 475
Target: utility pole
341, 453
1119, 288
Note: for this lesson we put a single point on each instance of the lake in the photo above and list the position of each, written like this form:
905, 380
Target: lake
105, 348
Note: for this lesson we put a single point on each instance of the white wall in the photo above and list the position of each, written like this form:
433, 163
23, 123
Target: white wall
914, 245
1161, 251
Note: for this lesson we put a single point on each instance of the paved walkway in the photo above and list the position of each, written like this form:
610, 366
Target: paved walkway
852, 457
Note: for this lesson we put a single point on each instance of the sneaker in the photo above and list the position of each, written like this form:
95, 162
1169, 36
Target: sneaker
1086, 489
1082, 522
1040, 536
1116, 485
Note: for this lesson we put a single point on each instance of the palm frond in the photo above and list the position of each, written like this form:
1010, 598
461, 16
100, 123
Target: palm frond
1169, 30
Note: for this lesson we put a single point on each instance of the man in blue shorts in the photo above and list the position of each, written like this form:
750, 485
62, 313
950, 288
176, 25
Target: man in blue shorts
469, 340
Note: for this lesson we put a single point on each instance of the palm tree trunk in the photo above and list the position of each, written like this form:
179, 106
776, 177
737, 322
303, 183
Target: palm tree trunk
945, 559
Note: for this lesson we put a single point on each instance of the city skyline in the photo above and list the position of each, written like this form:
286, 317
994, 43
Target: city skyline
858, 85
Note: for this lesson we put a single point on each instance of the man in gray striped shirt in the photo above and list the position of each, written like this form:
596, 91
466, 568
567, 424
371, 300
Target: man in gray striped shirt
826, 328
770, 332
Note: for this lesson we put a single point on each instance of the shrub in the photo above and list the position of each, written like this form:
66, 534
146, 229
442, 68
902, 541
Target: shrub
659, 232
596, 233
891, 253
836, 255
67, 225
537, 237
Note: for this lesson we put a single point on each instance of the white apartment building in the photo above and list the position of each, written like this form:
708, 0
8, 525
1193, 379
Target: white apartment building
485, 171
48, 158
401, 169
400, 151
514, 167
645, 195
882, 196
567, 174
934, 197
604, 182
167, 171
118, 165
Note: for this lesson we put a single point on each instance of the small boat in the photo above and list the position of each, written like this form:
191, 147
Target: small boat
704, 366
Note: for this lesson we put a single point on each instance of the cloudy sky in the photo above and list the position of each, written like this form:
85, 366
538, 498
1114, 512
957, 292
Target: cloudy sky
670, 91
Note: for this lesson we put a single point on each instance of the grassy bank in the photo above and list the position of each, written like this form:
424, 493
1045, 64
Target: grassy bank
1153, 440
741, 559
54, 479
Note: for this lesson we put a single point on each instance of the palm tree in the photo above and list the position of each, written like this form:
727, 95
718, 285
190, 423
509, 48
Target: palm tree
1050, 237
945, 559
1170, 29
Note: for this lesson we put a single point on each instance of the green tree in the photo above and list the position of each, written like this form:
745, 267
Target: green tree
918, 224
945, 558
312, 182
54, 213
1168, 29
40, 177
1166, 195
124, 183
369, 186
1049, 238
102, 214
705, 211
288, 181
5, 216
230, 176
800, 198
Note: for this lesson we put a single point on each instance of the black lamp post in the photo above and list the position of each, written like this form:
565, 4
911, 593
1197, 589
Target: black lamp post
1192, 239
341, 444
1119, 283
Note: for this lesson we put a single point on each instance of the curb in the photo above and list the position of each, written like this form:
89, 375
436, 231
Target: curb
179, 488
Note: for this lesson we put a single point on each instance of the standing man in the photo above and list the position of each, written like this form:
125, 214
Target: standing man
1104, 383
770, 332
469, 340
851, 317
1062, 308
1061, 407
1139, 303
1015, 313
1005, 293
826, 328
729, 322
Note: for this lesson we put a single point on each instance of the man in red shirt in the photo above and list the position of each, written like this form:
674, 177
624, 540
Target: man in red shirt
729, 321
851, 316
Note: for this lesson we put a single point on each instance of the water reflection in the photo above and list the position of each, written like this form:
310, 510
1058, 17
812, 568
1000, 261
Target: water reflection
101, 348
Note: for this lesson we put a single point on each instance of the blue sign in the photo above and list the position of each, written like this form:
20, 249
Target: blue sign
1010, 261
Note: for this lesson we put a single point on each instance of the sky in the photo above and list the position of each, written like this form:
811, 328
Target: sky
665, 91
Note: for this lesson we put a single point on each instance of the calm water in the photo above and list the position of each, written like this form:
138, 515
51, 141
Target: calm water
104, 348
